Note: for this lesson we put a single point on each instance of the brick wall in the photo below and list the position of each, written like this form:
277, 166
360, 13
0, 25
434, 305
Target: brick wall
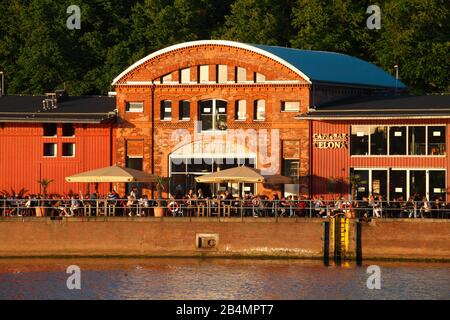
157, 134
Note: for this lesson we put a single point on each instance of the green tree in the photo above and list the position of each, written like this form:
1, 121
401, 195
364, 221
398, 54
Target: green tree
416, 36
338, 26
258, 21
159, 23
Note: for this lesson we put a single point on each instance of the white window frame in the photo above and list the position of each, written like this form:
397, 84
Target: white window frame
283, 106
135, 110
56, 150
214, 113
74, 150
239, 115
179, 107
407, 140
203, 74
241, 75
186, 72
171, 106
259, 78
408, 186
256, 118
222, 73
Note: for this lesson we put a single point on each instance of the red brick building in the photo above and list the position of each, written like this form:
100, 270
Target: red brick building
203, 106
321, 118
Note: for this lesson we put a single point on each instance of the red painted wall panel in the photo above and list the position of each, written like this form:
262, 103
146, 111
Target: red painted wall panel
329, 163
22, 162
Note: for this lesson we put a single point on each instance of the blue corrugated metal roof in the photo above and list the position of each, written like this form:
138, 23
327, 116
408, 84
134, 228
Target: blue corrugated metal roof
334, 67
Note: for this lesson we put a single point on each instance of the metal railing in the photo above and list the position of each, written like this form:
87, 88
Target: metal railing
222, 207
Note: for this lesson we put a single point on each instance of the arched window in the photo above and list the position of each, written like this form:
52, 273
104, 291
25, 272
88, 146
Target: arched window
241, 110
260, 110
166, 110
213, 115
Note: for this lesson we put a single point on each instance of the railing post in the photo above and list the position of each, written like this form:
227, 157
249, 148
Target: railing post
310, 208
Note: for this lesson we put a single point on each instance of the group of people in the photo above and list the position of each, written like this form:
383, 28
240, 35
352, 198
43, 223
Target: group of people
80, 204
188, 204
247, 205
375, 206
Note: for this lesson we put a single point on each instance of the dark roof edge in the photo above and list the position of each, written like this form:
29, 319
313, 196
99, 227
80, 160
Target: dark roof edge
369, 117
56, 120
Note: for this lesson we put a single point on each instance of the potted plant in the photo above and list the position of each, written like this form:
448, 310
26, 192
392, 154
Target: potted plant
161, 183
41, 209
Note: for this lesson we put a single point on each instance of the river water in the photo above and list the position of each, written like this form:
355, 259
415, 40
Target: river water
219, 279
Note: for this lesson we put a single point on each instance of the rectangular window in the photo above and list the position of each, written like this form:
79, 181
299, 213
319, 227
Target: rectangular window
203, 74
290, 106
185, 110
166, 110
397, 140
260, 110
291, 168
49, 149
199, 165
416, 141
167, 78
185, 75
359, 183
437, 184
378, 140
259, 77
178, 165
50, 129
135, 163
222, 73
241, 109
379, 183
397, 187
417, 183
436, 140
213, 115
134, 107
221, 115
241, 74
68, 130
206, 114
359, 140
68, 149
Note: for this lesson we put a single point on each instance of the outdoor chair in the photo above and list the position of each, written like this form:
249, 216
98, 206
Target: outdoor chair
87, 210
201, 209
111, 210
226, 209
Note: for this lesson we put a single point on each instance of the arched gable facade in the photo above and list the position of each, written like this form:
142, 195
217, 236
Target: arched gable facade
210, 90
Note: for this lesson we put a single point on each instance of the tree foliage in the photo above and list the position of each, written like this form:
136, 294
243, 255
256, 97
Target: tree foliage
39, 53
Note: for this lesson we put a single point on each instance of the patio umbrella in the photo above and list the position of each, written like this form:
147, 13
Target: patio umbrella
241, 174
112, 174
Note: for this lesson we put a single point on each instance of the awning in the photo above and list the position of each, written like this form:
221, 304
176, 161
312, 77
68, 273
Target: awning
243, 174
112, 174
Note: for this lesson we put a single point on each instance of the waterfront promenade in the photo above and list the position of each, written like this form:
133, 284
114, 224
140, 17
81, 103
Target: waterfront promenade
416, 239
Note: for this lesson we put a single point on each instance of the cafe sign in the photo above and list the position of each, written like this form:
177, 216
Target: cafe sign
330, 140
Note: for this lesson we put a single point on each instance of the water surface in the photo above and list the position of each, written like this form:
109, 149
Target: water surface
219, 279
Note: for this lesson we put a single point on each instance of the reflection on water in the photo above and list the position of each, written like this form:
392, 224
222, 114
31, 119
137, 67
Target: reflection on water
218, 279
